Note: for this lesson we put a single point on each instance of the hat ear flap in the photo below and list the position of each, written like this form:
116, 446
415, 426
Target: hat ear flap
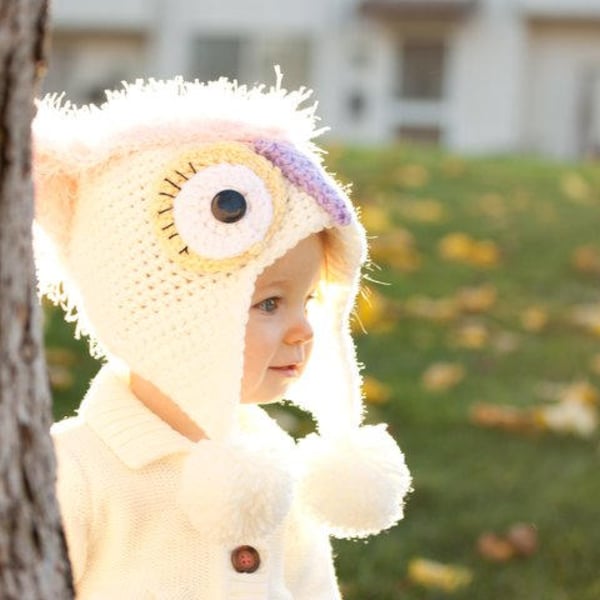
56, 190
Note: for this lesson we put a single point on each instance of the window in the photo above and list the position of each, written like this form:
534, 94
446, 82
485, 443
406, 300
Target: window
252, 59
422, 70
84, 65
216, 57
420, 135
291, 54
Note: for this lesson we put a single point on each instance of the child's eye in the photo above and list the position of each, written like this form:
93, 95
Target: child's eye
269, 305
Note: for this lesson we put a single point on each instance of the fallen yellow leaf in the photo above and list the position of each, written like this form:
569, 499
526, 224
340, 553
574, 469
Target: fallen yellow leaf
442, 376
576, 188
460, 247
432, 574
568, 417
453, 167
494, 547
534, 318
375, 391
472, 336
56, 355
574, 411
506, 342
484, 253
373, 313
581, 391
422, 211
375, 218
502, 416
595, 364
412, 176
441, 309
455, 246
396, 249
477, 299
492, 205
586, 259
587, 316
521, 540
60, 377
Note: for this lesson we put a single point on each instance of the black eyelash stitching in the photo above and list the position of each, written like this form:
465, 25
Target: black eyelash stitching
185, 249
172, 183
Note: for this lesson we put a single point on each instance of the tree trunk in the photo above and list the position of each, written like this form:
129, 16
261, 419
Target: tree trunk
33, 562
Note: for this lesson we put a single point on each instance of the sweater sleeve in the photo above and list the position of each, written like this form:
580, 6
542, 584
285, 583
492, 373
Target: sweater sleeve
73, 497
309, 570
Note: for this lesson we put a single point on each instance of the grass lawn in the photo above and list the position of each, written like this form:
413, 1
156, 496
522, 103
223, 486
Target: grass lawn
490, 294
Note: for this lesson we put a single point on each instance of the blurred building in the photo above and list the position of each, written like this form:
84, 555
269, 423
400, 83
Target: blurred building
477, 76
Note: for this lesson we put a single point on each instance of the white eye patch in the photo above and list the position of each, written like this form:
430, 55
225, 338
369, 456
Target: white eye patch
216, 206
194, 213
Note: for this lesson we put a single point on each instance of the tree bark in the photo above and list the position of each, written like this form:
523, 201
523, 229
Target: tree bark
33, 560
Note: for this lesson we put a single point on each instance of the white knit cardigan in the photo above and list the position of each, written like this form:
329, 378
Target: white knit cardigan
128, 537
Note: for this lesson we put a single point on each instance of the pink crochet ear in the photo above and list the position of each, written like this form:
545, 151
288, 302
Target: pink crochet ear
55, 196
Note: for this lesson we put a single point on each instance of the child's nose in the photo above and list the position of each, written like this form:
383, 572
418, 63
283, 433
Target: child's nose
300, 332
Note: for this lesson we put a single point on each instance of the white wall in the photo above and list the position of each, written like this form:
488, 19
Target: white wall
92, 14
257, 15
510, 85
572, 8
563, 75
355, 62
486, 80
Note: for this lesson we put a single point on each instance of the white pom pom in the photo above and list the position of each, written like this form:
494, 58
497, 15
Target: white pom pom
355, 483
235, 491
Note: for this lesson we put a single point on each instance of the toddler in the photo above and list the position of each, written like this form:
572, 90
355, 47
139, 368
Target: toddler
214, 263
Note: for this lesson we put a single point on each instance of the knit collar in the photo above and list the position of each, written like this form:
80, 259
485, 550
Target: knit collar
135, 434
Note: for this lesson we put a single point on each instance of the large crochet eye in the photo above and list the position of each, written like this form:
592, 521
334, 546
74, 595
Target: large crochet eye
218, 206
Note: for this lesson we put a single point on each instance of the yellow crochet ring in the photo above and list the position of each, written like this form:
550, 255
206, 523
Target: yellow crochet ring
181, 172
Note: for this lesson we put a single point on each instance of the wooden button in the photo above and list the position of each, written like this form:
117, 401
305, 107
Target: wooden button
245, 559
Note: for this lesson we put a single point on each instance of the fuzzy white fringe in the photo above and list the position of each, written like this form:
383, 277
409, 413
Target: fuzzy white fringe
234, 491
355, 483
135, 116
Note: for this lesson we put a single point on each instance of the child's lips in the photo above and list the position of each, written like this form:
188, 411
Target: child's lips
292, 370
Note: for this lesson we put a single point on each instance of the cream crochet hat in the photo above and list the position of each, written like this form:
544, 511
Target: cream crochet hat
163, 206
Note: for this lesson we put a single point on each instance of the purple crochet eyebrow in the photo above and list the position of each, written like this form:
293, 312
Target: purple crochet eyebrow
301, 171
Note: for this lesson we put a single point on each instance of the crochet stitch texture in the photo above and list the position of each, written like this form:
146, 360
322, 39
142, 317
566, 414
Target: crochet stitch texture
164, 286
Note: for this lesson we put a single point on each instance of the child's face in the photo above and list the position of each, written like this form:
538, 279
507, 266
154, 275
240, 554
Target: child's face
278, 334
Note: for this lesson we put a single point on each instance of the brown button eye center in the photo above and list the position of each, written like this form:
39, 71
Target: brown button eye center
228, 206
245, 559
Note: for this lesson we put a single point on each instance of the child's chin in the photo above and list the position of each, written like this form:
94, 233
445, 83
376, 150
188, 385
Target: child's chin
273, 392
264, 398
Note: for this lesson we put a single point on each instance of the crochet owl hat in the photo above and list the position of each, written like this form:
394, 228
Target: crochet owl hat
163, 206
